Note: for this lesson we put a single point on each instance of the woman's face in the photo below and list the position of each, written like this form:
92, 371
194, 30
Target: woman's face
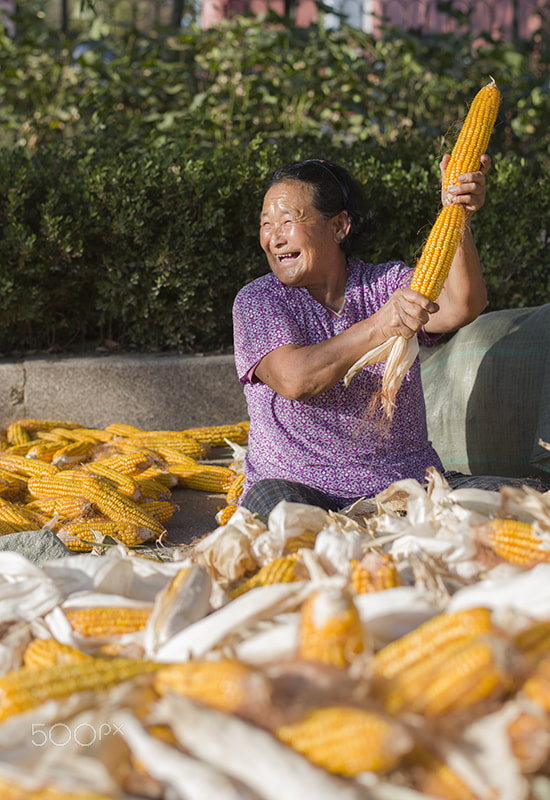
301, 246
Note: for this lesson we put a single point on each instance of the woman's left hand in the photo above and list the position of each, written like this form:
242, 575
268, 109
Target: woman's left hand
470, 191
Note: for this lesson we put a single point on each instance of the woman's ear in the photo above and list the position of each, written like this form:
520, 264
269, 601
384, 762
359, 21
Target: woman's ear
343, 226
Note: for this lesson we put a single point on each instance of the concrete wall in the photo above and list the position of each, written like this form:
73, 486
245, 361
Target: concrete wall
153, 393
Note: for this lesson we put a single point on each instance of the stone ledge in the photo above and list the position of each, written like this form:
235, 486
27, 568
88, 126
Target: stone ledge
152, 392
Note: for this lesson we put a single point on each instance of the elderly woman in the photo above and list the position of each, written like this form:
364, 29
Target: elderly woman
300, 328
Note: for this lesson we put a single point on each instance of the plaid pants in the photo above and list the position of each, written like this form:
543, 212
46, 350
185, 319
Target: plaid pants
264, 495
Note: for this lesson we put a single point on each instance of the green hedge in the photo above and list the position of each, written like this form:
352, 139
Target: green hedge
131, 171
149, 247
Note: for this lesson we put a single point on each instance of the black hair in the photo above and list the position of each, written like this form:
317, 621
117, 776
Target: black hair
333, 190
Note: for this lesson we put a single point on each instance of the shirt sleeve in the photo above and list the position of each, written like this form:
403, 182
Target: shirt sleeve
262, 321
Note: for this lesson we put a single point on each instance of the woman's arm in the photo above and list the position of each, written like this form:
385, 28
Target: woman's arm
464, 295
299, 373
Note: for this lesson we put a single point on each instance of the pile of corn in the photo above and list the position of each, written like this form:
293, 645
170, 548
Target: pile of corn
86, 484
397, 650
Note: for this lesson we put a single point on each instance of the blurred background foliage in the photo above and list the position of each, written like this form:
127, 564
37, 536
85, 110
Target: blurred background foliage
132, 163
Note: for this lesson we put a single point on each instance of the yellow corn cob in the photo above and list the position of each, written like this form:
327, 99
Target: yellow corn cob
216, 435
439, 251
43, 450
330, 628
432, 776
534, 641
294, 543
537, 685
28, 687
75, 544
29, 467
286, 569
11, 790
108, 620
236, 489
124, 431
11, 484
375, 572
152, 490
35, 425
171, 455
16, 434
529, 737
21, 518
66, 507
518, 542
53, 436
224, 514
161, 510
171, 439
226, 684
474, 136
125, 484
205, 478
87, 531
47, 652
73, 453
159, 475
429, 637
455, 677
347, 740
128, 463
93, 435
98, 491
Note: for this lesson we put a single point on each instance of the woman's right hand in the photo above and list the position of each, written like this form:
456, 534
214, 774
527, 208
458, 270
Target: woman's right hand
403, 314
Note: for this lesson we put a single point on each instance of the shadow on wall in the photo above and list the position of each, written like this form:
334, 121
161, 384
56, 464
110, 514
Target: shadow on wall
488, 395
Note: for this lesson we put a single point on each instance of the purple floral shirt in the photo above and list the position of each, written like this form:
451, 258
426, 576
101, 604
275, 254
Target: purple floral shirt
328, 442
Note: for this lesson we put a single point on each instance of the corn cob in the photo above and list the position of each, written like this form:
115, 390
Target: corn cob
125, 484
224, 514
529, 737
171, 439
47, 652
537, 685
43, 450
347, 740
98, 491
66, 507
439, 251
53, 436
216, 435
330, 629
18, 516
534, 641
205, 478
35, 425
27, 687
93, 435
474, 136
306, 539
16, 434
432, 776
29, 467
89, 530
152, 490
128, 463
161, 510
375, 572
11, 484
235, 490
286, 569
159, 475
11, 790
73, 453
455, 678
124, 431
108, 620
418, 644
225, 684
518, 542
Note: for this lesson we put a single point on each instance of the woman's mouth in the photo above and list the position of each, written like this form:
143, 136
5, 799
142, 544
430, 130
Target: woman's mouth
287, 257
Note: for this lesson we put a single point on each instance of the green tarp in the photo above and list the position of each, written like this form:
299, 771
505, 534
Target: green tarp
488, 394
